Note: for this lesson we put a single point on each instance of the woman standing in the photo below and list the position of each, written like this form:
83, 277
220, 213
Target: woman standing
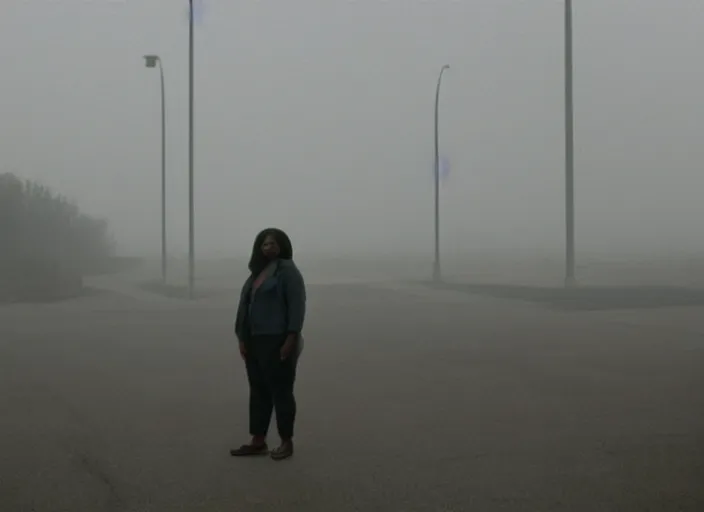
269, 321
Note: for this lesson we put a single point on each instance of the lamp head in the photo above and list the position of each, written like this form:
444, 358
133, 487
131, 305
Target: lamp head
151, 60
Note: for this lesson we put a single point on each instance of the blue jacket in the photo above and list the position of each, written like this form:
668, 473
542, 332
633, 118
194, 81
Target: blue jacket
277, 307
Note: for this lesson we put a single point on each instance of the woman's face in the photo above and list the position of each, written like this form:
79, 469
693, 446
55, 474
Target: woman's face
270, 248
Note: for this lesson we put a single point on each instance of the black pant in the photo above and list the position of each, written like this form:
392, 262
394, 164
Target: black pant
270, 386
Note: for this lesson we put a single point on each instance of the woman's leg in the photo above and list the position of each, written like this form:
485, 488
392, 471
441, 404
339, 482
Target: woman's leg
285, 404
260, 402
284, 400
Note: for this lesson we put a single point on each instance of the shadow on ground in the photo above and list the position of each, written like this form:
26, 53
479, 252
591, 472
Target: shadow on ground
587, 298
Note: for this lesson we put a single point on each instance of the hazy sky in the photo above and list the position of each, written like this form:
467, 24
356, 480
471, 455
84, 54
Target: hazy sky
317, 117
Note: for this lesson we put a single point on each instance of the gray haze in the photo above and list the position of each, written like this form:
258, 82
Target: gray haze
316, 116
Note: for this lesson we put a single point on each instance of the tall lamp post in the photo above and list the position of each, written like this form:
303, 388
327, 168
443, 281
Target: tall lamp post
570, 279
437, 276
191, 223
153, 61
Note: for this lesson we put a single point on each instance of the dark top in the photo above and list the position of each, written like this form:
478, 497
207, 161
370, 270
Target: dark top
277, 306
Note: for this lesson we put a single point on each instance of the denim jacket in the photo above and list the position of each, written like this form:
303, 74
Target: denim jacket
278, 306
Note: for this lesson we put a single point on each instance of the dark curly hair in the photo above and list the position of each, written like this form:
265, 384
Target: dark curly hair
257, 262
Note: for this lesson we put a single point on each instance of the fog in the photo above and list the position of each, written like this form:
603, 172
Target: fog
317, 117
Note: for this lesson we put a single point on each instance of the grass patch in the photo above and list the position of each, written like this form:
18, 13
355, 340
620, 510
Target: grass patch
177, 291
114, 265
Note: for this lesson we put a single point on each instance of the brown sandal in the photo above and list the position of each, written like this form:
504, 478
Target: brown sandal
249, 450
284, 451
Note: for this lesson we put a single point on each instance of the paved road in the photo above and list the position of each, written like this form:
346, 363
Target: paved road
410, 400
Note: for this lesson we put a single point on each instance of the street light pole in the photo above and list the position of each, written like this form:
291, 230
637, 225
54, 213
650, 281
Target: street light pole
191, 223
437, 276
152, 61
570, 279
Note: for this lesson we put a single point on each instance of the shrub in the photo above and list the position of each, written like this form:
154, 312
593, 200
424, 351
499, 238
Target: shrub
46, 243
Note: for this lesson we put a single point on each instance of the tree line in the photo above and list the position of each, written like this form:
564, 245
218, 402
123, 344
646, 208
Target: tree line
47, 244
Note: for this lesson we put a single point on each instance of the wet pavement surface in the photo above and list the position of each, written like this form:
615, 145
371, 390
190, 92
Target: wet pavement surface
410, 399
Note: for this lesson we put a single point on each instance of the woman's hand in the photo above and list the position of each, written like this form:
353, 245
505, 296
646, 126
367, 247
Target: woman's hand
243, 350
288, 347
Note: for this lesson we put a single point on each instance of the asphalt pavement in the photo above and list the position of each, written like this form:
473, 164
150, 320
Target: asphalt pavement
410, 399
